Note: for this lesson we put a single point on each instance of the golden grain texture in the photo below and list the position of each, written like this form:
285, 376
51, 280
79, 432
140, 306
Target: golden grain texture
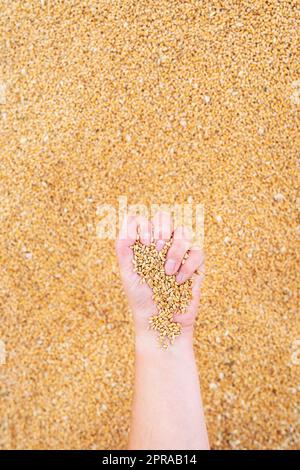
158, 101
169, 297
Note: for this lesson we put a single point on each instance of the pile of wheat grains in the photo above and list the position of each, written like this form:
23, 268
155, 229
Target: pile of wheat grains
158, 102
170, 297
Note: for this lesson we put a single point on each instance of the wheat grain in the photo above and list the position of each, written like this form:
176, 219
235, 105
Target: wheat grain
169, 296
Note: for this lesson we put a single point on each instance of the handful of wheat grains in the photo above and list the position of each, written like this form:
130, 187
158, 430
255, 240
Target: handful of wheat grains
170, 298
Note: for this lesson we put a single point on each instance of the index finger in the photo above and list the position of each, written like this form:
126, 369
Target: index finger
126, 238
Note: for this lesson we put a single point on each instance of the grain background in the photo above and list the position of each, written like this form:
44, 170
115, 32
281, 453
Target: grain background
158, 101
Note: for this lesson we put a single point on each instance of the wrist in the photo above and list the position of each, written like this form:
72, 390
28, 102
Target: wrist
146, 341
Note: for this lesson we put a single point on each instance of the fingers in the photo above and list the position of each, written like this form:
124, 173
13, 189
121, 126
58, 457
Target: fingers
132, 226
181, 243
127, 237
144, 230
162, 229
191, 311
194, 261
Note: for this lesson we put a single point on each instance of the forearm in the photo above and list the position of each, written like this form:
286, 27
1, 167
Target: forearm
167, 408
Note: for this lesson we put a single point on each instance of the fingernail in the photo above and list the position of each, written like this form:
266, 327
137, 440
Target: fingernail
160, 244
179, 278
170, 266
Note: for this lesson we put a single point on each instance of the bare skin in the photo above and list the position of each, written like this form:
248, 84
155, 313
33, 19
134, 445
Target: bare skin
167, 408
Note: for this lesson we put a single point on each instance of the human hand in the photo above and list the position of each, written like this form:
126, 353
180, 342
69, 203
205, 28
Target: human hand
139, 295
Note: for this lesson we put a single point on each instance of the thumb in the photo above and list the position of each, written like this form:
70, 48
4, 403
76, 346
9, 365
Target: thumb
126, 238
